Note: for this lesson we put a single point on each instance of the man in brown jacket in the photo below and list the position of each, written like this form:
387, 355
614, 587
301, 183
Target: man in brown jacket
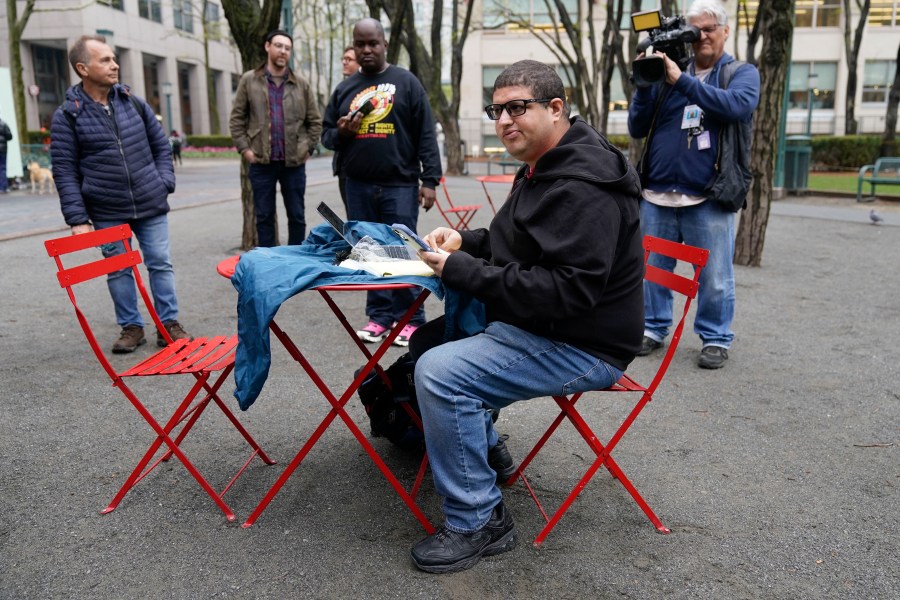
276, 126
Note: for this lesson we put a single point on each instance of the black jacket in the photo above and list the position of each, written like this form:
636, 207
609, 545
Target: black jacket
396, 144
563, 257
5, 135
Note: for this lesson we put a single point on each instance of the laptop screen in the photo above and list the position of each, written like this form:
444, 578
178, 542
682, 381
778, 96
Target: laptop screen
335, 221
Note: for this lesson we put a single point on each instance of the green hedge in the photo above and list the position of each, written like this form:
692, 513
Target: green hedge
215, 141
848, 152
36, 137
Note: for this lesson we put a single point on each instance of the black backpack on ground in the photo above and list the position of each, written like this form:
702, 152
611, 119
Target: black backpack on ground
387, 405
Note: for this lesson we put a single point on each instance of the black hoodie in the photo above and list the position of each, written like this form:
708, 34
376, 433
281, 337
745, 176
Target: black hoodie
563, 259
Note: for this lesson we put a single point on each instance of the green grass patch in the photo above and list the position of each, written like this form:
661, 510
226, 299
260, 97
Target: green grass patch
846, 182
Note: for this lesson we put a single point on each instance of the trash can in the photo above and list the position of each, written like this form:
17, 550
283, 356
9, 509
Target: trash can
797, 156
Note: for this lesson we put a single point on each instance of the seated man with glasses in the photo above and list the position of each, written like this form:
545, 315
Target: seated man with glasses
559, 273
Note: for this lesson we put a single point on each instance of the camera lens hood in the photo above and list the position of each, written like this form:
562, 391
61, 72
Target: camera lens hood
648, 71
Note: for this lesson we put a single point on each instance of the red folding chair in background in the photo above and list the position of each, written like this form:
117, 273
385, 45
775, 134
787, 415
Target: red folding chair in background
198, 358
684, 286
457, 217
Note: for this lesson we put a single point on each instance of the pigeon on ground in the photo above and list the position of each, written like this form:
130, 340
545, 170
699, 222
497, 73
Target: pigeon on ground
875, 217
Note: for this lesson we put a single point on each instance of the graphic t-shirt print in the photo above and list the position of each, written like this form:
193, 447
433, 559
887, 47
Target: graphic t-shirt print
382, 98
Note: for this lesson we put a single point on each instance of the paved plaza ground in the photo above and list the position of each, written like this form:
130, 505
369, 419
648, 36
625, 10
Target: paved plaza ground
778, 475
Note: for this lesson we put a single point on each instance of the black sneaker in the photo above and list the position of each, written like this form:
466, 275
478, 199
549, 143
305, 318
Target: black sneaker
500, 460
446, 551
648, 345
712, 357
130, 338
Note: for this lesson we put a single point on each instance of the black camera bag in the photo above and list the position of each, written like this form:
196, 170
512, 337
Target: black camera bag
387, 406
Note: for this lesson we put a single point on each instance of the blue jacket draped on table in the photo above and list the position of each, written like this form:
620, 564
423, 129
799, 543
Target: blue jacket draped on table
266, 277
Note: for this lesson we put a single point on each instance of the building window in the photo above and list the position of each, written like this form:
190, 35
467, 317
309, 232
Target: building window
617, 99
817, 13
150, 9
212, 18
878, 78
488, 77
883, 13
184, 20
117, 4
535, 12
822, 85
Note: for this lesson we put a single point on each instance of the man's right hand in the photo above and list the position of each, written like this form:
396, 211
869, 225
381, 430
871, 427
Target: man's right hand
83, 228
348, 127
444, 238
249, 156
673, 71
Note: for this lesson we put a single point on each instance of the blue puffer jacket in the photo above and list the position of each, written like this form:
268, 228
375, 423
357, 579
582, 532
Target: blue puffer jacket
109, 169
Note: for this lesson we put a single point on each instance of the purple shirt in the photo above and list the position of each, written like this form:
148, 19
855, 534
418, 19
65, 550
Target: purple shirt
276, 116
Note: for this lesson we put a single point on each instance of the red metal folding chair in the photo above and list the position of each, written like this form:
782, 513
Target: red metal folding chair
200, 358
677, 283
457, 217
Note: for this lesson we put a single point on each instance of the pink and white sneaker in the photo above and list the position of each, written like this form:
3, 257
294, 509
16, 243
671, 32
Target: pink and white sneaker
373, 333
405, 334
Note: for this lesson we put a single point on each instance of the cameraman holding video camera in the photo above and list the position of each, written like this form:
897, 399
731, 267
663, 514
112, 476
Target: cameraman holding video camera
695, 174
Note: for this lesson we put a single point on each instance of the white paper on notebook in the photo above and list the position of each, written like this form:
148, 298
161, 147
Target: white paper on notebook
388, 268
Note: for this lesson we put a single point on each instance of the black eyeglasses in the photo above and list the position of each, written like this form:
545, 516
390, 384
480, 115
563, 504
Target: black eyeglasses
515, 108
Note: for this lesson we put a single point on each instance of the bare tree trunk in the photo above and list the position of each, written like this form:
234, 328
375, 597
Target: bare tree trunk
612, 45
16, 26
851, 51
212, 97
249, 238
635, 145
777, 30
888, 145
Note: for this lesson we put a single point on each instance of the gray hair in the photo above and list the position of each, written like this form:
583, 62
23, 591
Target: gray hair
713, 8
79, 54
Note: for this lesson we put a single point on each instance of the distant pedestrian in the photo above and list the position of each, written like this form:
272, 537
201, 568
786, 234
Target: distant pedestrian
175, 141
276, 126
113, 165
5, 136
349, 66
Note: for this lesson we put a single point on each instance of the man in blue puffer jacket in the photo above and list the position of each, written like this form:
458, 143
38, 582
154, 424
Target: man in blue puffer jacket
112, 164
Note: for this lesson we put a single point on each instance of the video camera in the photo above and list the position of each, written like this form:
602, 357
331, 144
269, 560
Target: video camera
670, 35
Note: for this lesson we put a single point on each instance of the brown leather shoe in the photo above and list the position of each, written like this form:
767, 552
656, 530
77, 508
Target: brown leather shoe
176, 332
130, 338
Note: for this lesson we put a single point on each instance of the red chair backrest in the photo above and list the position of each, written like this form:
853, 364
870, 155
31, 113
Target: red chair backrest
87, 271
680, 284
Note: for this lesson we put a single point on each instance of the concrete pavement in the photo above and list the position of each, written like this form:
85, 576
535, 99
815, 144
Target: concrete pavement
778, 475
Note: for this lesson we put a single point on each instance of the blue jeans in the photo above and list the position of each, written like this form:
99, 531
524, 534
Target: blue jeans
705, 225
386, 204
458, 381
153, 236
293, 187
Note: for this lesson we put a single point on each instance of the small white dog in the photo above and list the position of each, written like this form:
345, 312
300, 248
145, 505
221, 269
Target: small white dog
41, 177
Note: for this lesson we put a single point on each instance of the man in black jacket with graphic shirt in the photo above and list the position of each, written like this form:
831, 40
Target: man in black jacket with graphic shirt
380, 121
